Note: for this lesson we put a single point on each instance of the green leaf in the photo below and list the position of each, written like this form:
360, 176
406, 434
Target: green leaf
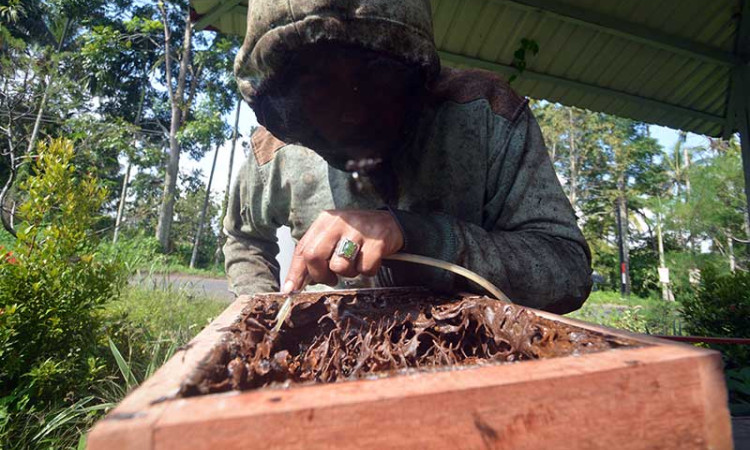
125, 370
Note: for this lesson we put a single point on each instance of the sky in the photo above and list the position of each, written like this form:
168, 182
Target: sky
666, 137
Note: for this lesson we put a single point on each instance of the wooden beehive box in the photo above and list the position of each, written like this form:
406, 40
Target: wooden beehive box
645, 393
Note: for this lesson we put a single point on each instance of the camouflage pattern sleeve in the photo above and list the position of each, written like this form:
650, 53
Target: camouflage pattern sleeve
529, 244
251, 247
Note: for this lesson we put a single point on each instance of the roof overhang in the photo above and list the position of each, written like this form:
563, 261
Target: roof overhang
677, 63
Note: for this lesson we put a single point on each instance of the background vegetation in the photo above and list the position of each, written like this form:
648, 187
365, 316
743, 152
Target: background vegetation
102, 102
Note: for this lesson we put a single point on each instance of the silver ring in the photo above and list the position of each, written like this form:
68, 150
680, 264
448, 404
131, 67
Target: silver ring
347, 249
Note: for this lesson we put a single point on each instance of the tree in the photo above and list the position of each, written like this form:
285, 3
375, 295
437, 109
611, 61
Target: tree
716, 208
228, 189
636, 172
206, 131
192, 193
204, 212
187, 72
609, 168
40, 77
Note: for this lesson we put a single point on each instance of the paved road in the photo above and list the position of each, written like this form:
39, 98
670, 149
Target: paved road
741, 432
216, 288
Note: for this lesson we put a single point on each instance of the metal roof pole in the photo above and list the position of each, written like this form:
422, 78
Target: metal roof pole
743, 100
743, 118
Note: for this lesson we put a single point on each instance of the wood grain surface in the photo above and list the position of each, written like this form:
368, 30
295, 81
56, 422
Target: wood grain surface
663, 395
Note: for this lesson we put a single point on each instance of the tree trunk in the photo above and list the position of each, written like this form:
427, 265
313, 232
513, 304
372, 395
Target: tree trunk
13, 215
7, 219
121, 207
204, 212
666, 292
685, 164
126, 181
177, 98
225, 202
45, 95
623, 237
573, 162
730, 253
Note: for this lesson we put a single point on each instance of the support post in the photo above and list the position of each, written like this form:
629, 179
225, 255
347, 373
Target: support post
622, 217
741, 92
743, 122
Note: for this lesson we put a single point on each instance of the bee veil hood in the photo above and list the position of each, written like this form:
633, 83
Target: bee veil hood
401, 29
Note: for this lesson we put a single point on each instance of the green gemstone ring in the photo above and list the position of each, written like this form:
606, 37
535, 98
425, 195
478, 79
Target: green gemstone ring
347, 249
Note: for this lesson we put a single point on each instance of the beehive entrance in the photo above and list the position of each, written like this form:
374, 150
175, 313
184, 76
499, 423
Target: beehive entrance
344, 336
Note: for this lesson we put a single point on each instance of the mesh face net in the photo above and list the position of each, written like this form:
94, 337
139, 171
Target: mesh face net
384, 88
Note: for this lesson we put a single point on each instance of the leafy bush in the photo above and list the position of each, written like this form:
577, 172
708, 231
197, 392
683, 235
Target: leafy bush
52, 291
135, 252
7, 240
644, 275
142, 318
637, 314
720, 306
738, 384
140, 254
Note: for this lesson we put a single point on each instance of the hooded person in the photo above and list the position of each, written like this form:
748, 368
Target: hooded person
368, 148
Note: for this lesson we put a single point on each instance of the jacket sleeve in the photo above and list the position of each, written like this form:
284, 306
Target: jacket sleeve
529, 245
252, 246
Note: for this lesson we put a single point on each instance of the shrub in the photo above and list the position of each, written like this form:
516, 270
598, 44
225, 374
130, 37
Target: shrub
143, 317
136, 252
637, 314
720, 306
51, 292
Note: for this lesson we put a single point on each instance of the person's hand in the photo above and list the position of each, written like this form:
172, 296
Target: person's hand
376, 234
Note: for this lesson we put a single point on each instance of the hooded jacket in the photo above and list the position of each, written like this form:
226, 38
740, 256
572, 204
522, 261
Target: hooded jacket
401, 29
475, 183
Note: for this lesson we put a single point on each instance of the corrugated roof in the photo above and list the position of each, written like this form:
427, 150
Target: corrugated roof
668, 62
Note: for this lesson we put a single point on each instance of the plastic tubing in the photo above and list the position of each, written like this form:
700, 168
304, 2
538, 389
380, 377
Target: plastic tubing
458, 270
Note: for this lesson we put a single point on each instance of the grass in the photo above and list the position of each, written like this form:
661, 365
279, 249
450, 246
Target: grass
140, 255
145, 326
642, 315
166, 312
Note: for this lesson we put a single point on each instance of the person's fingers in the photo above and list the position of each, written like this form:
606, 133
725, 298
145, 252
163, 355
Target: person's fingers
343, 266
317, 254
376, 232
371, 257
295, 278
298, 273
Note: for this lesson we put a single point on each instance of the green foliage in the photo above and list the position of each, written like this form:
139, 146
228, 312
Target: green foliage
142, 316
187, 220
52, 289
720, 306
7, 241
147, 326
636, 314
139, 254
644, 274
738, 384
135, 253
527, 47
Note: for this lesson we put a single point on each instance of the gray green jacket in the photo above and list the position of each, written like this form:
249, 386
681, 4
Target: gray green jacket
475, 184
475, 187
